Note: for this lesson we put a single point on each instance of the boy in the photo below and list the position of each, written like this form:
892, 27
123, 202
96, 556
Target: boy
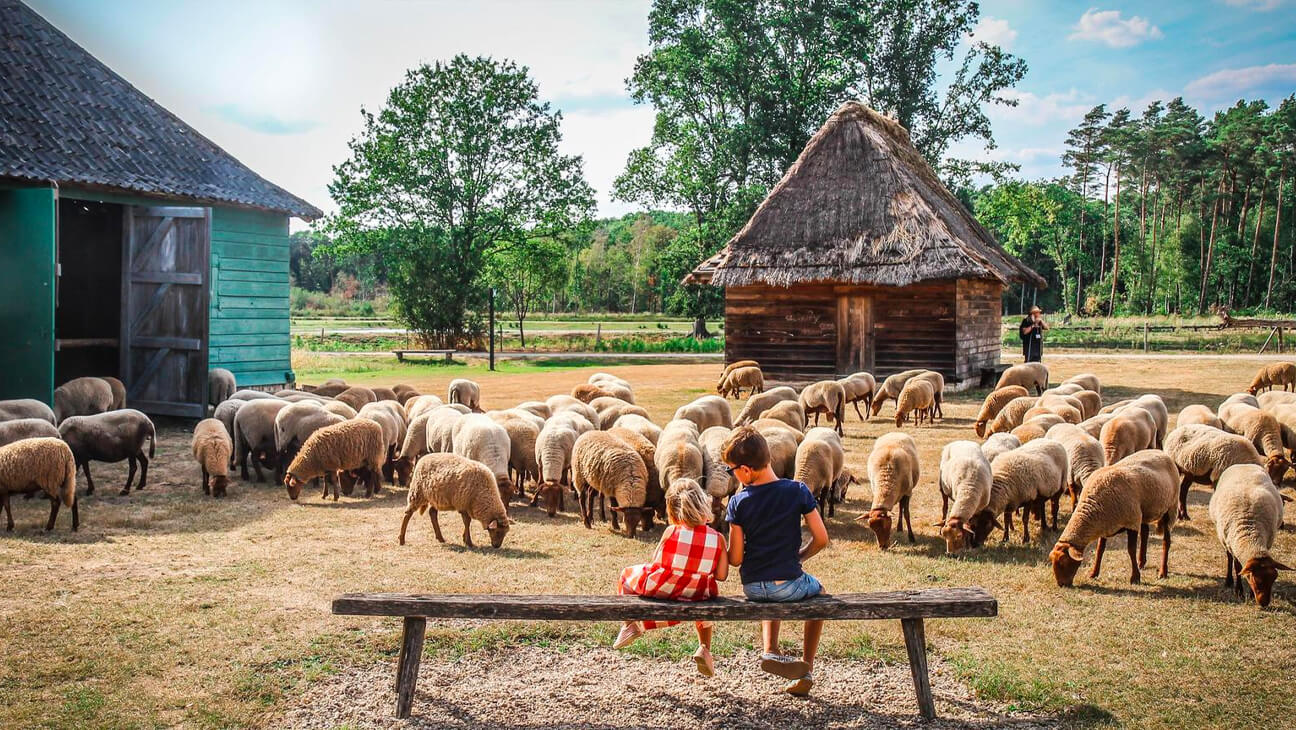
765, 542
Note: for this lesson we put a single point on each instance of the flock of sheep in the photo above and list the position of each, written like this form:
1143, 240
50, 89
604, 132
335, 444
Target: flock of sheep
1122, 468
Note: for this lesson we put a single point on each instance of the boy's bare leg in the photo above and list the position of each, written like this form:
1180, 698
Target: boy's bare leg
770, 636
813, 630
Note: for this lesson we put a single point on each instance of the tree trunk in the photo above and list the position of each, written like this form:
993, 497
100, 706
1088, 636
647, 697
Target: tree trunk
1210, 249
1151, 296
1255, 240
1102, 259
1142, 250
1273, 256
699, 329
1111, 303
1080, 255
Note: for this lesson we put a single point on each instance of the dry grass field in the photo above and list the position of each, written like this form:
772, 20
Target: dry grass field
170, 609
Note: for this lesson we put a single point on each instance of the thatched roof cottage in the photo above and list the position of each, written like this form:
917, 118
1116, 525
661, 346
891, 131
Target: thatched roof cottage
861, 259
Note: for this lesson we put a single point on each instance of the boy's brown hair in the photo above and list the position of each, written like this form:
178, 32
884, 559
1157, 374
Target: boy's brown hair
746, 447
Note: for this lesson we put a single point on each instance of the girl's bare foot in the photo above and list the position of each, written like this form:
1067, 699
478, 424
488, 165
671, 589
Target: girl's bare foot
705, 662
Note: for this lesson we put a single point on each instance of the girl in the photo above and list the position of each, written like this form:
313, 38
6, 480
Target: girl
689, 561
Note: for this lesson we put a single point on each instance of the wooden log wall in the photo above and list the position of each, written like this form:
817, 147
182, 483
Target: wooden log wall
913, 327
792, 332
980, 326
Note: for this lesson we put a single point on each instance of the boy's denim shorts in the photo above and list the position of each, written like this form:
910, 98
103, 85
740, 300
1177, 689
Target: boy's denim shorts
783, 591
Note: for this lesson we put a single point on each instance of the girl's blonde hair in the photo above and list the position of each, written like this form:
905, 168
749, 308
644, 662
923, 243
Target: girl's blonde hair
687, 503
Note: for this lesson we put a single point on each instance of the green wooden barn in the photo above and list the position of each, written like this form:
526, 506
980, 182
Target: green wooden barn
130, 245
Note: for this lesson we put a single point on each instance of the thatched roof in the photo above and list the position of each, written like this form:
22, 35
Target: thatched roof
860, 205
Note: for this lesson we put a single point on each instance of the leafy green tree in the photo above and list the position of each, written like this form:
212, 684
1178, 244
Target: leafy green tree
462, 159
310, 271
527, 272
1083, 151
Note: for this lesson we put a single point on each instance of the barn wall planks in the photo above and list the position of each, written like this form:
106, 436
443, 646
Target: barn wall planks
979, 313
249, 295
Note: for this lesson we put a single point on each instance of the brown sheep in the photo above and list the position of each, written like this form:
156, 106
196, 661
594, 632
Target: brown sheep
918, 398
211, 448
605, 466
859, 387
357, 396
111, 437
890, 388
118, 392
994, 402
382, 394
1129, 430
1028, 375
1281, 374
220, 386
586, 392
357, 446
443, 482
1011, 415
82, 397
739, 378
42, 464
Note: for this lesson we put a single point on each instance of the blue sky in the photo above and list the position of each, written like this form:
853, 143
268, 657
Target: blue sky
279, 83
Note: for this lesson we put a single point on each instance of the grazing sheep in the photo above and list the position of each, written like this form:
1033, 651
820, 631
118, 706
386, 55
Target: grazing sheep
294, 424
1030, 430
604, 402
783, 443
820, 460
466, 392
1049, 490
1019, 477
393, 428
12, 410
890, 388
522, 452
111, 437
654, 493
414, 445
601, 378
331, 389
553, 453
707, 411
587, 392
357, 396
339, 408
26, 428
605, 466
965, 479
1202, 453
1069, 408
994, 403
761, 402
1094, 424
226, 413
220, 386
536, 407
447, 482
1090, 402
254, 436
789, 412
248, 394
1198, 414
1248, 512
1011, 415
640, 425
420, 404
43, 464
610, 415
578, 423
1128, 431
481, 439
1088, 381
1028, 375
893, 472
827, 397
999, 443
82, 397
357, 447
1084, 456
1126, 497
859, 387
1047, 417
1273, 398
405, 393
734, 366
1157, 409
938, 391
750, 378
1263, 430
440, 429
719, 483
211, 448
382, 394
618, 390
1278, 374
917, 398
679, 454
118, 392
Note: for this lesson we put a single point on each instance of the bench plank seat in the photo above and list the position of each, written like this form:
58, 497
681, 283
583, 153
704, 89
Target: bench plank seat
400, 354
911, 607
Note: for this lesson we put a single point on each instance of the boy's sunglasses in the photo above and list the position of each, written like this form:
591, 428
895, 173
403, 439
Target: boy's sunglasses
730, 470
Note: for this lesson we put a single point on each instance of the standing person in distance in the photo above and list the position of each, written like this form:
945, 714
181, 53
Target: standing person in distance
1032, 332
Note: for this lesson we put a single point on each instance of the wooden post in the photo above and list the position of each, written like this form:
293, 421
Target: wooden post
407, 666
1145, 337
916, 645
1272, 332
491, 328
1280, 340
598, 335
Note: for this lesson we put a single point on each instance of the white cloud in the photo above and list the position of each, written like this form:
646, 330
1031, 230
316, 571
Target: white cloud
1107, 26
994, 31
1035, 110
1232, 82
1260, 5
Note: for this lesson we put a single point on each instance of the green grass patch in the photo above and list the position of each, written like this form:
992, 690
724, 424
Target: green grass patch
1004, 683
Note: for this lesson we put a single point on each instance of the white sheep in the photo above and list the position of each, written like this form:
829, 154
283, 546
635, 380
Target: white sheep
1011, 415
1019, 477
1198, 414
1263, 430
553, 453
1084, 456
891, 387
789, 412
640, 425
893, 472
1265, 400
1088, 381
679, 453
1201, 453
466, 392
706, 411
421, 404
917, 397
995, 402
859, 387
719, 483
761, 402
827, 397
445, 482
481, 439
999, 443
1248, 512
965, 479
820, 460
1030, 375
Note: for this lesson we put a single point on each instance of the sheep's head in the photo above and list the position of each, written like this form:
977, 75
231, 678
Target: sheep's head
877, 406
1277, 465
879, 521
900, 416
1261, 573
404, 468
294, 485
1066, 559
505, 487
982, 523
551, 493
632, 517
979, 426
347, 481
498, 528
957, 535
219, 484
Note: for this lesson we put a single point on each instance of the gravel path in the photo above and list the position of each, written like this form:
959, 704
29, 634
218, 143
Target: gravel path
532, 687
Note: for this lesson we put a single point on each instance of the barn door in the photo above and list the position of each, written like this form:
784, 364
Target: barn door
165, 260
854, 334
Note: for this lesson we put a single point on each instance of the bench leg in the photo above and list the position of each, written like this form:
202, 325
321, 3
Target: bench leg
407, 666
916, 644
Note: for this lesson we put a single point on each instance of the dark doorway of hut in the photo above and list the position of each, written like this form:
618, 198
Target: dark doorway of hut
86, 321
854, 333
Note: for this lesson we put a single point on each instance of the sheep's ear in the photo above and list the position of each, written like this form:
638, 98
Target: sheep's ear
996, 523
1075, 553
1280, 566
494, 524
1285, 498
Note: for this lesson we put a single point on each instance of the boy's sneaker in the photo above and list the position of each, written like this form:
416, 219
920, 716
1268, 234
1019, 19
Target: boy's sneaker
629, 632
800, 687
783, 666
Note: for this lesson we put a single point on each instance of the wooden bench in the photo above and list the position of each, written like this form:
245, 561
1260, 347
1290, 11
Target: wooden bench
990, 375
911, 607
400, 354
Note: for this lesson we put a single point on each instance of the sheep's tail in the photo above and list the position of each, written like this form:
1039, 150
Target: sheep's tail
454, 395
152, 437
67, 490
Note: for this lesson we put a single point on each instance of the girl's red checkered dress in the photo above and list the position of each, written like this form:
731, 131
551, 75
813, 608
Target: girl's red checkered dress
683, 569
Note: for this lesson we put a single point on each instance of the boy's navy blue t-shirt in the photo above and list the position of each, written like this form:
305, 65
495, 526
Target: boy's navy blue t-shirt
770, 517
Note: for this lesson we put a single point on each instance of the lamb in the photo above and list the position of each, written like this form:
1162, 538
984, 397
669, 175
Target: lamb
890, 388
827, 397
918, 398
819, 462
640, 425
999, 443
707, 411
1011, 415
605, 465
788, 412
211, 448
82, 397
893, 472
1272, 398
965, 479
1028, 375
43, 464
1273, 375
1084, 456
357, 446
553, 454
1198, 414
587, 392
479, 438
610, 415
1129, 496
859, 387
26, 428
357, 396
761, 402
1088, 381
734, 366
1248, 512
994, 403
111, 437
1128, 431
446, 482
220, 386
679, 454
1261, 429
750, 378
1019, 479
466, 392
254, 435
12, 410
1201, 453
719, 482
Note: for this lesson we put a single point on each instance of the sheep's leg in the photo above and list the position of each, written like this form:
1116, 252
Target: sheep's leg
9, 512
85, 466
206, 482
1239, 585
144, 464
76, 518
243, 453
857, 410
1228, 567
256, 464
1056, 503
409, 512
1183, 496
54, 508
1143, 542
1007, 524
130, 477
1097, 566
586, 507
1026, 510
1131, 546
602, 498
436, 526
944, 507
467, 532
616, 516
1165, 548
908, 518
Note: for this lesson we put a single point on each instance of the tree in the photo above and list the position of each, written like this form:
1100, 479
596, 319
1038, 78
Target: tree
461, 160
310, 271
1116, 141
1084, 149
526, 273
1282, 141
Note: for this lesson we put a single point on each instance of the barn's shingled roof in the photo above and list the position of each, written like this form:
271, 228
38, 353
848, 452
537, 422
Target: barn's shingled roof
66, 117
860, 205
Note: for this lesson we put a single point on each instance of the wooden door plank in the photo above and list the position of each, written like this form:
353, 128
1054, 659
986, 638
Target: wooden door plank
159, 234
150, 369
